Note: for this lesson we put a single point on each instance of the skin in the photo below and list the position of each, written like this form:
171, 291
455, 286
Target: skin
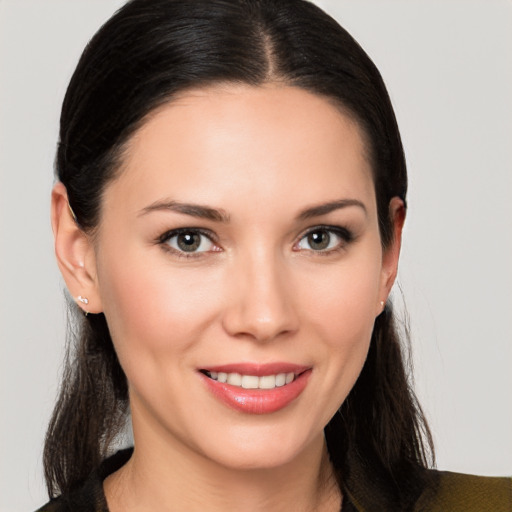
258, 292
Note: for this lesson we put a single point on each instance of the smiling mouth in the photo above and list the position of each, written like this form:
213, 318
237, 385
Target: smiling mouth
252, 381
256, 388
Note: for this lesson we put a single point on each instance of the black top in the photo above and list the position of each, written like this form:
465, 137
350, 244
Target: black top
91, 498
445, 492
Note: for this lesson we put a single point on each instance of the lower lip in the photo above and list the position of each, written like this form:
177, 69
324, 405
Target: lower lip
257, 401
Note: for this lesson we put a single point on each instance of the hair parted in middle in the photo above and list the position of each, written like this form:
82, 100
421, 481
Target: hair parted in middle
149, 52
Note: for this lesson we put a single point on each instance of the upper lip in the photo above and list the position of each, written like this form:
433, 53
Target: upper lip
257, 369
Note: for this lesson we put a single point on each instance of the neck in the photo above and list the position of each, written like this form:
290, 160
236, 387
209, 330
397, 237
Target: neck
164, 477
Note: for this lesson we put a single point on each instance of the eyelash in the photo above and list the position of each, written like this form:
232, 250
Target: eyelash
164, 239
344, 234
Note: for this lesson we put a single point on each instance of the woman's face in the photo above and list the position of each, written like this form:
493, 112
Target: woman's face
240, 243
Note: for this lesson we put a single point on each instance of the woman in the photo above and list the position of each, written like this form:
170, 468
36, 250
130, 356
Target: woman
228, 216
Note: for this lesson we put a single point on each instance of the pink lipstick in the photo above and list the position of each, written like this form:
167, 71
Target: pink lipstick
256, 388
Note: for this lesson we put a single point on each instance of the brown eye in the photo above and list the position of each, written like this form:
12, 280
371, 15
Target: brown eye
324, 239
189, 242
319, 240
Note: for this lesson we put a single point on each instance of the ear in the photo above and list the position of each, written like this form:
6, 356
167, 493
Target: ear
391, 254
75, 253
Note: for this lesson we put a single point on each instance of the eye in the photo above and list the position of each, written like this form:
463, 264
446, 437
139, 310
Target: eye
323, 239
188, 241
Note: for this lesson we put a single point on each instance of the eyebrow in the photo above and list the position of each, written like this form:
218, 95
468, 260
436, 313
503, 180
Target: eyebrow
325, 208
194, 210
220, 215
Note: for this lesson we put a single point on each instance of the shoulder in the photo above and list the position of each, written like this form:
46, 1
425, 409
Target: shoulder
89, 496
52, 506
86, 499
456, 492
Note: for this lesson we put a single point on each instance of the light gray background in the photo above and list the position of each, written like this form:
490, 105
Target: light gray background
448, 66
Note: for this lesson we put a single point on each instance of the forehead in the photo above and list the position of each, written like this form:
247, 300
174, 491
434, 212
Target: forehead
222, 141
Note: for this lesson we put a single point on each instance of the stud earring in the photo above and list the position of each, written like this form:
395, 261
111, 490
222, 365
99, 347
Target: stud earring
83, 300
381, 303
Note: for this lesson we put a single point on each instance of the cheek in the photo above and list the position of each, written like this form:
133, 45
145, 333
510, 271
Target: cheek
151, 308
343, 300
340, 305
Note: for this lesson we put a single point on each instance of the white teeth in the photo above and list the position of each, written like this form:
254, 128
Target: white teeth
280, 379
235, 379
267, 382
252, 381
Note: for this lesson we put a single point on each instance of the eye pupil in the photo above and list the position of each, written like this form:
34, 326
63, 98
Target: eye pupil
189, 241
319, 240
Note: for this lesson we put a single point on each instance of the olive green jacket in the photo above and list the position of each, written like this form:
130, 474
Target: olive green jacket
448, 492
445, 492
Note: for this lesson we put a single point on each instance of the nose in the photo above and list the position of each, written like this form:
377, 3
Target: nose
261, 303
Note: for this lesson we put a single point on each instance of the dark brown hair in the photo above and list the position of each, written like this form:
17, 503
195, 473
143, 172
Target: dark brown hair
148, 52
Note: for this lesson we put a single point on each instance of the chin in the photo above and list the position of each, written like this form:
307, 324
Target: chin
262, 450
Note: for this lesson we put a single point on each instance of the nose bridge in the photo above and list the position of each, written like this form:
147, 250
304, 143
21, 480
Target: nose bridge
261, 306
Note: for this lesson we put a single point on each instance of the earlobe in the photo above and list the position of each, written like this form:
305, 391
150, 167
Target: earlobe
74, 253
391, 254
